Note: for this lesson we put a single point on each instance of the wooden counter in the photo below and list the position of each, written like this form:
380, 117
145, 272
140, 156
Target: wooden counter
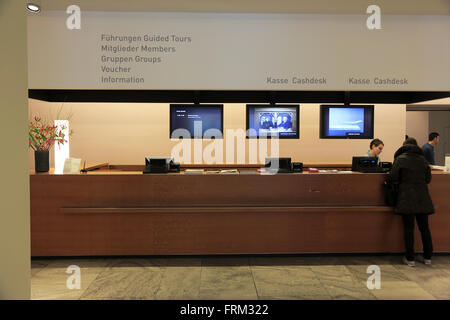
117, 212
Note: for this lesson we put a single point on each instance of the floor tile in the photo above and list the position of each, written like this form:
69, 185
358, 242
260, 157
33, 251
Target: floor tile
340, 283
37, 265
442, 261
125, 283
179, 282
431, 278
83, 263
51, 283
288, 283
401, 290
394, 284
240, 277
388, 273
446, 270
227, 282
114, 298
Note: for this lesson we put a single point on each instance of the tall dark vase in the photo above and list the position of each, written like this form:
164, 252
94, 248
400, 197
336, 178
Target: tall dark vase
41, 161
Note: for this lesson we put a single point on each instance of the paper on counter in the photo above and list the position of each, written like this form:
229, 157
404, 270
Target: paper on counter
71, 166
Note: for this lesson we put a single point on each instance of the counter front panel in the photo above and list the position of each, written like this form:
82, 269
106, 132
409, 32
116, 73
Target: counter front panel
136, 214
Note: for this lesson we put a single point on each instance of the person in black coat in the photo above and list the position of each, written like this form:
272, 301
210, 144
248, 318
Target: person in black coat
412, 174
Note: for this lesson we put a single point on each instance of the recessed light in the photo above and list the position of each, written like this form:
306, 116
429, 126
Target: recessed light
33, 7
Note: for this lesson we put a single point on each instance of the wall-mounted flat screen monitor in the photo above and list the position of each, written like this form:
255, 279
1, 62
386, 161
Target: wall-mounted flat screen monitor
195, 121
346, 122
267, 121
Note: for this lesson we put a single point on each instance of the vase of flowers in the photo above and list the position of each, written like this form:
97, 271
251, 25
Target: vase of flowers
41, 160
41, 137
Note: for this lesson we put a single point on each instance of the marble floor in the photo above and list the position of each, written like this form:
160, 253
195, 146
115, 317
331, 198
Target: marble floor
240, 277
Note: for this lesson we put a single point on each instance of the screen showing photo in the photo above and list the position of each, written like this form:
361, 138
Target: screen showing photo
269, 121
346, 122
196, 121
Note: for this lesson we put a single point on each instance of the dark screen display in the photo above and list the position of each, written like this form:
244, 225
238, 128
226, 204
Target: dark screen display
346, 122
196, 121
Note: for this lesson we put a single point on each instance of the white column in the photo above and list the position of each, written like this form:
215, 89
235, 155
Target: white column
15, 258
62, 151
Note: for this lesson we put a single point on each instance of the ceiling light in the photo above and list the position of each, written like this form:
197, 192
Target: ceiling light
33, 7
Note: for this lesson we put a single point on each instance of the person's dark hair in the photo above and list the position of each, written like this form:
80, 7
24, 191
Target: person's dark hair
432, 136
406, 137
376, 143
410, 141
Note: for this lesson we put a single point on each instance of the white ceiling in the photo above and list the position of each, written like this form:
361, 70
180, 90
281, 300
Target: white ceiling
255, 6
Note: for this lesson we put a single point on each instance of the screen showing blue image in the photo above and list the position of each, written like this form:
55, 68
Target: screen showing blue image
196, 121
346, 122
270, 121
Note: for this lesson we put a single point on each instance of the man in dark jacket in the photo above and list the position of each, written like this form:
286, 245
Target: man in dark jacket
412, 174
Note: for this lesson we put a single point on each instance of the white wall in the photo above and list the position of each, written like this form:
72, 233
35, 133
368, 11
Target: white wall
124, 133
230, 51
417, 125
14, 182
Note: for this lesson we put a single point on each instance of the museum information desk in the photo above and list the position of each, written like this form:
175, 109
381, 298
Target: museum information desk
113, 212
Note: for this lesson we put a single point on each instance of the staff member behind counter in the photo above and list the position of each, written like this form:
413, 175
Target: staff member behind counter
376, 147
428, 148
